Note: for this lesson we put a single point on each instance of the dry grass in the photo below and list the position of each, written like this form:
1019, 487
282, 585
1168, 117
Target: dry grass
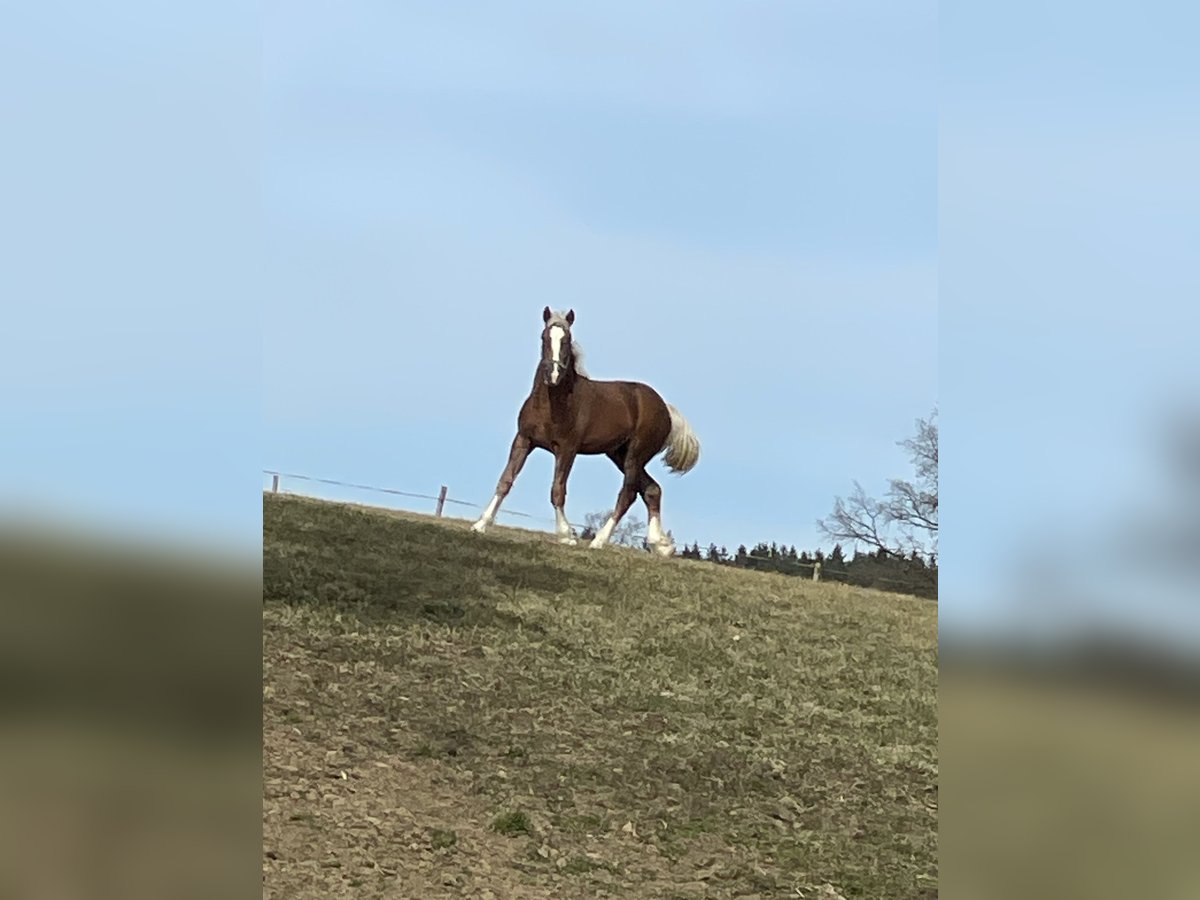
453, 715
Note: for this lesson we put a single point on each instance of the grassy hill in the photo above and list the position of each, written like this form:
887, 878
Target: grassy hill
451, 715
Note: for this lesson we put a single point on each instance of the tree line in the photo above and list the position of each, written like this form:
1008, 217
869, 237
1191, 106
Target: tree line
911, 574
898, 534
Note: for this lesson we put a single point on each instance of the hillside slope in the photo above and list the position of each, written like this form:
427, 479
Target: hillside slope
448, 714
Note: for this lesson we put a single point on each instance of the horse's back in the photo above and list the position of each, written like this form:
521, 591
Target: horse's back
620, 412
637, 398
648, 401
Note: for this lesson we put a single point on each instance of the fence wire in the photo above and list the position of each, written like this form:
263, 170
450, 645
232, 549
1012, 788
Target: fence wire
412, 494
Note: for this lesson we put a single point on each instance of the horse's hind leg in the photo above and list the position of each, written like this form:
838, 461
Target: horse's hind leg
516, 459
651, 494
625, 498
636, 482
602, 536
652, 497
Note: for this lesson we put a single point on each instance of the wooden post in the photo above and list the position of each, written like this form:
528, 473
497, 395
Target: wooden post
441, 500
816, 571
274, 484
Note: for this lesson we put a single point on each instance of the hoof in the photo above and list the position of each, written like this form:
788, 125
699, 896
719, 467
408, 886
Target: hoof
568, 541
596, 545
665, 550
479, 527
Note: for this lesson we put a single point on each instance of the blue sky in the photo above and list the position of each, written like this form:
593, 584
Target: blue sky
740, 206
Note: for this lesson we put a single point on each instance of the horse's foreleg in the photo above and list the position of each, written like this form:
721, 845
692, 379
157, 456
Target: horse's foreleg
516, 459
563, 460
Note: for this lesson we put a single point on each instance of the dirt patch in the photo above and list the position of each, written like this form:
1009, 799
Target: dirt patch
337, 822
343, 818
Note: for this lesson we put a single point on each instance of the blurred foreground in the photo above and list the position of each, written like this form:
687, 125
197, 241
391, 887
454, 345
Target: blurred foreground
1069, 774
129, 720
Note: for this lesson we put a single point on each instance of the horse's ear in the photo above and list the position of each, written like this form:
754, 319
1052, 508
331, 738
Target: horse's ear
546, 314
570, 317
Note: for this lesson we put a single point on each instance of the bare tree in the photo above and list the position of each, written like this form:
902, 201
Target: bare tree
906, 519
628, 533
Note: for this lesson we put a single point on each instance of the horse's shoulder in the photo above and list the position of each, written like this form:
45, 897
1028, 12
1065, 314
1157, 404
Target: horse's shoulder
532, 408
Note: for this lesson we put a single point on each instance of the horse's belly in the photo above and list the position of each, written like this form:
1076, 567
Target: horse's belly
604, 445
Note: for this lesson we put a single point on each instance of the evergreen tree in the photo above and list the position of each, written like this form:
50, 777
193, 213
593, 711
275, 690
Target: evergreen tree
835, 565
756, 558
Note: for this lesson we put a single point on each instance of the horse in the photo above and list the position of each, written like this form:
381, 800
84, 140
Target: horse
570, 414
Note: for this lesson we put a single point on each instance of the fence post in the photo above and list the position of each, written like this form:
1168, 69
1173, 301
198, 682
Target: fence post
816, 571
274, 484
441, 500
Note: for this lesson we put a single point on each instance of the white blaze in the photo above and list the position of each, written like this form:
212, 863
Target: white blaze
556, 338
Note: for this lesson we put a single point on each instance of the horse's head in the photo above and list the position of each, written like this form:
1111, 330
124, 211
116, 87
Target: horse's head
558, 356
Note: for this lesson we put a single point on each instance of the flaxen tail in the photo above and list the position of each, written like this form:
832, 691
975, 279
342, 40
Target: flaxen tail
683, 447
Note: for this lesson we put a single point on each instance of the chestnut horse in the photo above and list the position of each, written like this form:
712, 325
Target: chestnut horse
568, 413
